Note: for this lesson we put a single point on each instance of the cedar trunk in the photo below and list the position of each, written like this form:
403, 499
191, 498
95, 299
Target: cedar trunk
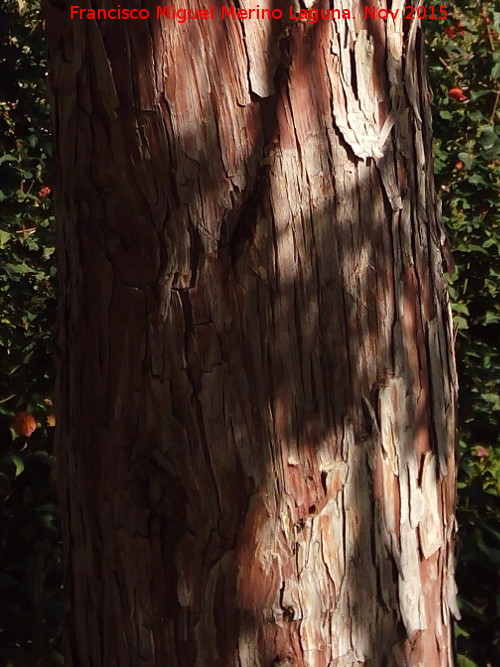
256, 392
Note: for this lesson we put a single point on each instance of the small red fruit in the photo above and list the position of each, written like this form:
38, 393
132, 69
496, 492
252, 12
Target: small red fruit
457, 94
24, 423
459, 165
44, 192
453, 30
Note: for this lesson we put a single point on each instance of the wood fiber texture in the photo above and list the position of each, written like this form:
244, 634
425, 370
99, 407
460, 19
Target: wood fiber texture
256, 386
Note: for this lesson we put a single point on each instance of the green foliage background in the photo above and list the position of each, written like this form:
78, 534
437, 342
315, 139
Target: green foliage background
462, 53
467, 150
30, 554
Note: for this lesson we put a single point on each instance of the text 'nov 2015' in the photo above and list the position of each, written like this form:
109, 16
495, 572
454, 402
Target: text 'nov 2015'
230, 12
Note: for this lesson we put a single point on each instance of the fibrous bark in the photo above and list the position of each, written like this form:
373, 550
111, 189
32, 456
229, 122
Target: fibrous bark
256, 385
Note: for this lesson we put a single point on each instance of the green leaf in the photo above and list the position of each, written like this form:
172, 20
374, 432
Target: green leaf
463, 661
4, 237
460, 322
477, 179
19, 463
460, 632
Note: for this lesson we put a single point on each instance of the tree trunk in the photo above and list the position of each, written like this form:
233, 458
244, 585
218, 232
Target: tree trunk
256, 390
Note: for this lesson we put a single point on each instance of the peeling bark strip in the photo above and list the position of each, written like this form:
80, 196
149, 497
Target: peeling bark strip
256, 384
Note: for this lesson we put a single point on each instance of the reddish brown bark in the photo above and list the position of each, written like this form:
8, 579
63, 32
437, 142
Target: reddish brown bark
256, 385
